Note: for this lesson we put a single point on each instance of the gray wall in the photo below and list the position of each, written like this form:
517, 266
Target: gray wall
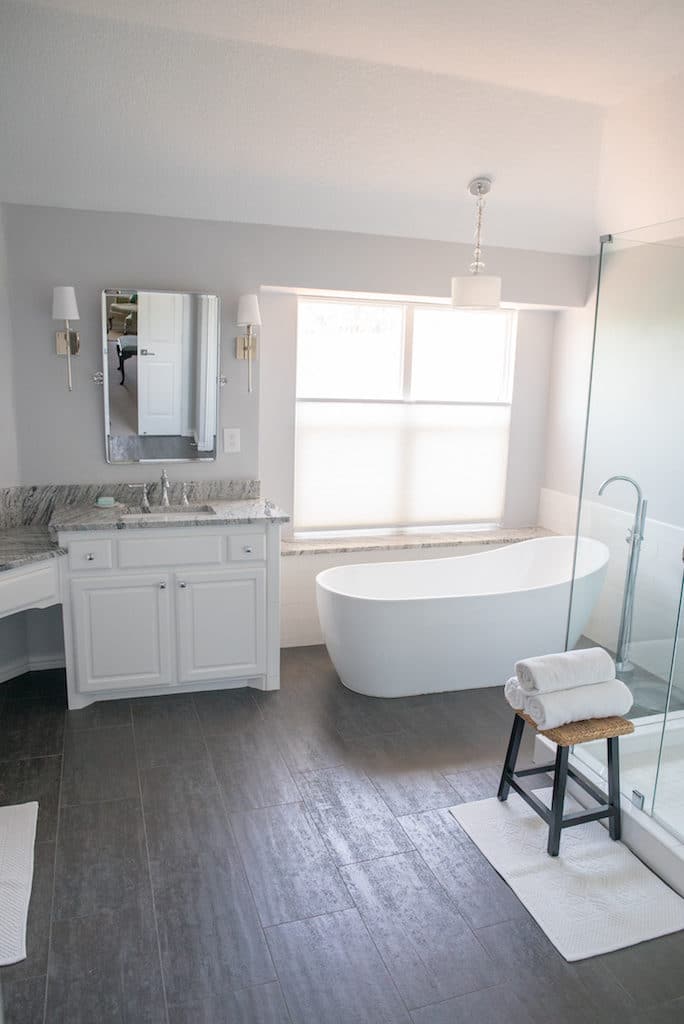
60, 434
9, 467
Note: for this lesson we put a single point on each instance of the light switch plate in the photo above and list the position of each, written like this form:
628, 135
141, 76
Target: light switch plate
231, 440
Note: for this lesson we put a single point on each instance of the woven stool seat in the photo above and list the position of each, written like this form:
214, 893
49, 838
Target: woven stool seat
584, 731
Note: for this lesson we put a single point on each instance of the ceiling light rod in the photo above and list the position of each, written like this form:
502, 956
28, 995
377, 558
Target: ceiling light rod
479, 187
477, 290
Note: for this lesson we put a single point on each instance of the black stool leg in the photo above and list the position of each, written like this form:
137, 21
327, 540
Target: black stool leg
560, 778
511, 757
615, 821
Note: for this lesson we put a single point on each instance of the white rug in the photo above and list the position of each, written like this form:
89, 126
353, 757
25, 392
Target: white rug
596, 896
17, 839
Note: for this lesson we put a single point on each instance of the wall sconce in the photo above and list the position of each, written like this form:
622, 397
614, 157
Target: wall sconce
248, 316
68, 342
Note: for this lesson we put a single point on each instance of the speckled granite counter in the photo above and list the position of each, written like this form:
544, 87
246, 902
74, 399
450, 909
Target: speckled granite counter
73, 518
22, 545
398, 542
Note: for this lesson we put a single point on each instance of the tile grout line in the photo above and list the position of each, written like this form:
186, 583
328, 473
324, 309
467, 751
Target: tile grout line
54, 873
229, 823
149, 868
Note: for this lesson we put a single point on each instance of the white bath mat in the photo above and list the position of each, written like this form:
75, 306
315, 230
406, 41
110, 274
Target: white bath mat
17, 839
596, 896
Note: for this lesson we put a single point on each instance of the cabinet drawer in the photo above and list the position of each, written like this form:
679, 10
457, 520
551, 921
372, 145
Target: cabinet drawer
86, 555
28, 588
148, 552
247, 547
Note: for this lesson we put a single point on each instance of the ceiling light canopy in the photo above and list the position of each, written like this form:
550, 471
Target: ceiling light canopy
477, 290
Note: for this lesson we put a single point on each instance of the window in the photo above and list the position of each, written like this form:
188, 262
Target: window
402, 415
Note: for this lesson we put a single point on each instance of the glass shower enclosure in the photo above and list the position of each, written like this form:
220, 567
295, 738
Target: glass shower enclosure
632, 500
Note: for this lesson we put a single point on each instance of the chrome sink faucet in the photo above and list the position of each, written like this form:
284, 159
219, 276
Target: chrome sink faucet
164, 489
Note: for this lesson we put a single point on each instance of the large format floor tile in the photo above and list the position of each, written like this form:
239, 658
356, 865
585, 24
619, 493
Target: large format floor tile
350, 814
291, 872
241, 857
330, 971
429, 949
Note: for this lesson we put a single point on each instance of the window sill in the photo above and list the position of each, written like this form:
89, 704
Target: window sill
402, 542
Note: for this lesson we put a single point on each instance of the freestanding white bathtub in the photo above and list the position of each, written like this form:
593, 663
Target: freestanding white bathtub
394, 629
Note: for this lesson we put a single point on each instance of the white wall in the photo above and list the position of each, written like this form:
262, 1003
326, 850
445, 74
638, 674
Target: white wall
100, 114
60, 434
641, 182
641, 178
527, 447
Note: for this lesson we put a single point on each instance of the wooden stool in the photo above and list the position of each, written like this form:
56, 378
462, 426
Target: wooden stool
566, 736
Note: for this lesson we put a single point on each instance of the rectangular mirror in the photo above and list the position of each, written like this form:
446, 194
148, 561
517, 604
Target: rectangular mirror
160, 374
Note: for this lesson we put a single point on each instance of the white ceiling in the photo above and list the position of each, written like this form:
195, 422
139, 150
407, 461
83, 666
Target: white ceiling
594, 51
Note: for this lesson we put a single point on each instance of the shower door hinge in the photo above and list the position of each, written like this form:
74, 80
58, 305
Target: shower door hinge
638, 799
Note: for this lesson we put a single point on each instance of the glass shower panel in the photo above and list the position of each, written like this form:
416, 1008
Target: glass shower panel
668, 802
634, 428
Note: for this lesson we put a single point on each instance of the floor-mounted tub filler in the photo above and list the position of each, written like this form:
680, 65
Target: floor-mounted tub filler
394, 629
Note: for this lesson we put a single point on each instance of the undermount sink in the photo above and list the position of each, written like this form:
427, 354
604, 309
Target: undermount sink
160, 513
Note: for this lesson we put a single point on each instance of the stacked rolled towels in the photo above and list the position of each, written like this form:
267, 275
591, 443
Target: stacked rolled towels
555, 689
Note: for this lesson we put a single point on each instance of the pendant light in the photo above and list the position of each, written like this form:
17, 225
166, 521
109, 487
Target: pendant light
477, 290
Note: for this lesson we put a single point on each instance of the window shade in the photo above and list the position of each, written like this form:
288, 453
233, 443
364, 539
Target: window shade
364, 465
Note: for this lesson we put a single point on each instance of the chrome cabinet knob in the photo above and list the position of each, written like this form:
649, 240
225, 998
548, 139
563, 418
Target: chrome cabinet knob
183, 586
162, 586
247, 549
90, 557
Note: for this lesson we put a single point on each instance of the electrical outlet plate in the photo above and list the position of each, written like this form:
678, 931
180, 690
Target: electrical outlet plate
231, 440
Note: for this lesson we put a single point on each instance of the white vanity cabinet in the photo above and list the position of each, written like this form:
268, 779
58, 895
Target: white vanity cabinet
169, 609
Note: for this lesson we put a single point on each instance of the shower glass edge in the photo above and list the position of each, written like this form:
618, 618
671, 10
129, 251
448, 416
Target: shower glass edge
637, 359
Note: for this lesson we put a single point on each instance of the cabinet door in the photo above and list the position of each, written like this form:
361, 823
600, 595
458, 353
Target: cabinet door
122, 631
221, 626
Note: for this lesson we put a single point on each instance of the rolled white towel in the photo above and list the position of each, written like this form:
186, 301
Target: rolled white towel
551, 672
600, 700
514, 694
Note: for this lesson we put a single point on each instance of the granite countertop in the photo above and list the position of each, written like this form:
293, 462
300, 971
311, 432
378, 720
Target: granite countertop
404, 541
231, 512
21, 545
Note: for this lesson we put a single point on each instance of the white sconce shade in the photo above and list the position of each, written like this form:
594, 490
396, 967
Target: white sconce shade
64, 305
248, 311
476, 291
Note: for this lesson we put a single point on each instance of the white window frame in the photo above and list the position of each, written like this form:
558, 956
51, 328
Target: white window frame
408, 306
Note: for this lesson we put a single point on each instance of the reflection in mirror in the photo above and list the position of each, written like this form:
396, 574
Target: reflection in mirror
160, 354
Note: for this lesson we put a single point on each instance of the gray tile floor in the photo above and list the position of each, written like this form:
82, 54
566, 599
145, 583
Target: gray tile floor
284, 858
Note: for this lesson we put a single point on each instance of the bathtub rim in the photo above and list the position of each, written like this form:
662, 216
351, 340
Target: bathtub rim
321, 577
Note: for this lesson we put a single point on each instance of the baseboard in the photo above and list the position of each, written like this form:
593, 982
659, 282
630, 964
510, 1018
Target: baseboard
18, 667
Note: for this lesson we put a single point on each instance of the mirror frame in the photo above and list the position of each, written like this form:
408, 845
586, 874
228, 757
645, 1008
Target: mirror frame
105, 374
